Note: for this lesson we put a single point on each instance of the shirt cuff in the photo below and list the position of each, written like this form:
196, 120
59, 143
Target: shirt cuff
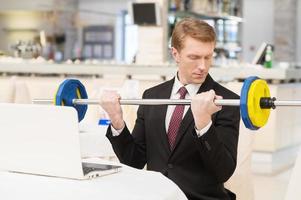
203, 130
115, 132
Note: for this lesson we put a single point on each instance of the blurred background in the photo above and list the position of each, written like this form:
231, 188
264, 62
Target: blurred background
125, 45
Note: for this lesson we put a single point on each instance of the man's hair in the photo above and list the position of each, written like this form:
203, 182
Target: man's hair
194, 28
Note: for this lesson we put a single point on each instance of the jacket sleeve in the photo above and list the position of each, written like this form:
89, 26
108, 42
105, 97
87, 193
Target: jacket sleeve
218, 146
131, 148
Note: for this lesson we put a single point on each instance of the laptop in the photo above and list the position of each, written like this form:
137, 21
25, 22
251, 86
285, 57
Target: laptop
44, 140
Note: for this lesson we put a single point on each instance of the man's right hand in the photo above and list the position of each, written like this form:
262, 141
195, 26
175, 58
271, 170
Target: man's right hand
110, 103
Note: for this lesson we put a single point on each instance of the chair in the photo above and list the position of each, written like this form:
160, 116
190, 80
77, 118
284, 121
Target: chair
293, 189
7, 88
241, 182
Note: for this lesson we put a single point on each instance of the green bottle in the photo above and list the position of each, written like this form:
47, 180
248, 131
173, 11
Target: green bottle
268, 57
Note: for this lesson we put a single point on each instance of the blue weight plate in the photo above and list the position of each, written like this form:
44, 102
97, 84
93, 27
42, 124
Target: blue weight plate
72, 89
244, 102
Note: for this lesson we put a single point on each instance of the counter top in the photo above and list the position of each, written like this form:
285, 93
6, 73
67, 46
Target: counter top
129, 70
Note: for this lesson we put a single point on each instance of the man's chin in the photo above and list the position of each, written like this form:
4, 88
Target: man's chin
198, 80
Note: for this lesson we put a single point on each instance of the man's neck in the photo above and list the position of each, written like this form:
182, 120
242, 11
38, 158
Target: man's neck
181, 79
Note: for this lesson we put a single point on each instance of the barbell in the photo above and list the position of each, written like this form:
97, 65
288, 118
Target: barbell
255, 101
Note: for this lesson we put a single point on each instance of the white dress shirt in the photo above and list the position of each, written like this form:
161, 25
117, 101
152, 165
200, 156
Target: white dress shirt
192, 90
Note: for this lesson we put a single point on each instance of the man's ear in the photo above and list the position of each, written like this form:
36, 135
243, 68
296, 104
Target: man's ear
175, 54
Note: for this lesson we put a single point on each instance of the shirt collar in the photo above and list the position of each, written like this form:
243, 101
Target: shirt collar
192, 89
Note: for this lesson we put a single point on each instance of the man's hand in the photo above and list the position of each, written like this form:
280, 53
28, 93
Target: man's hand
202, 107
110, 103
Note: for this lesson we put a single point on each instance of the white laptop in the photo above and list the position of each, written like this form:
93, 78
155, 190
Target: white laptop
44, 140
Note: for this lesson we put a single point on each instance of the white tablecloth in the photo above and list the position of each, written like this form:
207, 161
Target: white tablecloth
128, 184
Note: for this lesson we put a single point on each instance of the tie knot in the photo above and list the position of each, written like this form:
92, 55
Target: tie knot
182, 91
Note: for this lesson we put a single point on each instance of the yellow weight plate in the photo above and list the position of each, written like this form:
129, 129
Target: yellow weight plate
79, 96
54, 98
258, 116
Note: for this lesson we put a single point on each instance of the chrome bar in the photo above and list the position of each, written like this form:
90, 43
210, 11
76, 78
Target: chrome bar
42, 101
219, 102
287, 103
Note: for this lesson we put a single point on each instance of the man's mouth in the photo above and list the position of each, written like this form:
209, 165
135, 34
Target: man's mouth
199, 75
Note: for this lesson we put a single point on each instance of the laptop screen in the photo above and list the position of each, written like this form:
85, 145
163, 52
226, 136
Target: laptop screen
40, 139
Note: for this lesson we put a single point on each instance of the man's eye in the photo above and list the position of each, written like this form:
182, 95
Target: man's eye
193, 57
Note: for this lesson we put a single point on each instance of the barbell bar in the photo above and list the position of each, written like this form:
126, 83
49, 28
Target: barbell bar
222, 102
255, 101
218, 102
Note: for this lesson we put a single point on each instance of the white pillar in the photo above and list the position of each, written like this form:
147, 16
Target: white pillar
152, 40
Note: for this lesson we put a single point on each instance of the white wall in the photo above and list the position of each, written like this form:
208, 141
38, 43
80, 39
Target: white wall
152, 48
111, 7
25, 5
298, 54
258, 26
105, 12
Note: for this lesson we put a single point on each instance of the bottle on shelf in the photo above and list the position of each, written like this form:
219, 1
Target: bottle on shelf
226, 7
268, 57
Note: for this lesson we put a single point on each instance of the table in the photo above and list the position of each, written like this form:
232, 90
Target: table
128, 184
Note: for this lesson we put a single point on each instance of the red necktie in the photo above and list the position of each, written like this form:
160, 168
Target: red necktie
176, 119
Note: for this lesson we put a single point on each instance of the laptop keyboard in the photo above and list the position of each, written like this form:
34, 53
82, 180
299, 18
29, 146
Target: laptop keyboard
91, 167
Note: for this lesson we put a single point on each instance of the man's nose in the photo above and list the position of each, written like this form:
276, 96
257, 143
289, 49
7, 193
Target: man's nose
201, 64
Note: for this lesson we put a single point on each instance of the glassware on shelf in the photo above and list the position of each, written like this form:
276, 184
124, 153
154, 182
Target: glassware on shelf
268, 57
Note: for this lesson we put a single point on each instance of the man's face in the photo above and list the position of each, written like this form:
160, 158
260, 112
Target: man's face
194, 60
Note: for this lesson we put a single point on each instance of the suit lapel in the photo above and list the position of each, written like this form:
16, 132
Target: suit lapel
162, 109
188, 118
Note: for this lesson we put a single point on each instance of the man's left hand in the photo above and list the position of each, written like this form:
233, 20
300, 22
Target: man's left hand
203, 106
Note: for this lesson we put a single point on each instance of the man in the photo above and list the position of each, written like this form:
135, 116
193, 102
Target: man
195, 146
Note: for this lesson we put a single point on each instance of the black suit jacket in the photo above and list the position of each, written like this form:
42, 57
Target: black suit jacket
199, 166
